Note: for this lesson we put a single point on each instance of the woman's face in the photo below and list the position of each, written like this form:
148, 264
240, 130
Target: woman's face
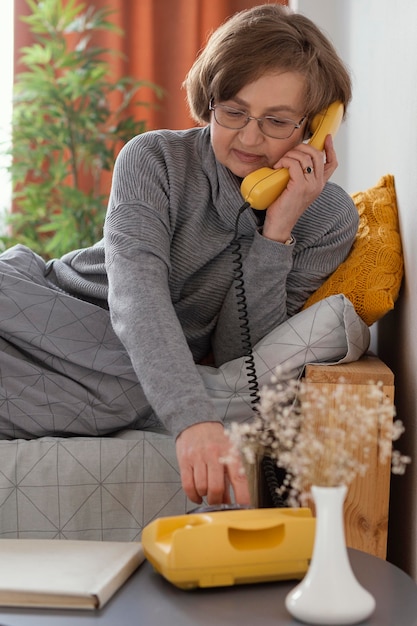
243, 151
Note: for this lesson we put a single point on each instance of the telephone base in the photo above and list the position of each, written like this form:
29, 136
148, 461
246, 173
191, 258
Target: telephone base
231, 547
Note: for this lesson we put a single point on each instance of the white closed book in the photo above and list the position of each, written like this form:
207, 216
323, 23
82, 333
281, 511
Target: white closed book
69, 574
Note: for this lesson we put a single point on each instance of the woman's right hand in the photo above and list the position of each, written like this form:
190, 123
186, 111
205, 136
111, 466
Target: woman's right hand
207, 466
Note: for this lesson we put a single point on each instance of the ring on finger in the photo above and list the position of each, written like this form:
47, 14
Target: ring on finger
308, 170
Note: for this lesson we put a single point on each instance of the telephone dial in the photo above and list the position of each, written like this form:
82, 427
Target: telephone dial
262, 187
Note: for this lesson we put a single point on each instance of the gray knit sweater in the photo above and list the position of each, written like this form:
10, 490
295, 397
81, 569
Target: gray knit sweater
168, 275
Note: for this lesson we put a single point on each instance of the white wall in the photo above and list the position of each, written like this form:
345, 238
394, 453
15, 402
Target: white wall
378, 41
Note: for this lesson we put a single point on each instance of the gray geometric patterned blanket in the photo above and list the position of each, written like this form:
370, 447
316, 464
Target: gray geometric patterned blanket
64, 372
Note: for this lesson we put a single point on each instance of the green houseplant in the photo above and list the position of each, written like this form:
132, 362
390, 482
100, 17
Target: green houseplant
69, 121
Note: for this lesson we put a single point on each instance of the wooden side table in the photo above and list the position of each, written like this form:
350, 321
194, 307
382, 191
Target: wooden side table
367, 501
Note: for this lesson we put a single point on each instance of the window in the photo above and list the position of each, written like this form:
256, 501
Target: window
6, 87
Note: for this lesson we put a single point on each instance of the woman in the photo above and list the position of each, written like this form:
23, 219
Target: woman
165, 269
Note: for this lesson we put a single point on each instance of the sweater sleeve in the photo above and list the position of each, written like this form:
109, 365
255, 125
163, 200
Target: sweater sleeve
137, 243
279, 278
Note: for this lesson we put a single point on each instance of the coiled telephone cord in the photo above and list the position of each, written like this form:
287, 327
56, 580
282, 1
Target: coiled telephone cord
271, 472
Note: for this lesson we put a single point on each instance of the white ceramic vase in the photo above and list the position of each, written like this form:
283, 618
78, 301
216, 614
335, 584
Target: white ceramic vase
330, 593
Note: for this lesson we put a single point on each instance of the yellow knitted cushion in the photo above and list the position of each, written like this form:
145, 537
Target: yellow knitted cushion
372, 273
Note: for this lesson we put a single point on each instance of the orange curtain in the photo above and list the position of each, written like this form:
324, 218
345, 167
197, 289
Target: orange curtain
161, 40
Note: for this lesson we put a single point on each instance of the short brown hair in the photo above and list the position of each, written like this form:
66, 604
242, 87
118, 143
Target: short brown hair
263, 39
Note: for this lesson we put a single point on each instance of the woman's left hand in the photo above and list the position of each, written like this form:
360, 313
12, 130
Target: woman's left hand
309, 171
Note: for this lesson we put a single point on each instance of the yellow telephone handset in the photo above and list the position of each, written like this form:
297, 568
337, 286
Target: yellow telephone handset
262, 187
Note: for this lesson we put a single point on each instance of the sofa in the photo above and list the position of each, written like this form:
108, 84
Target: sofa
109, 488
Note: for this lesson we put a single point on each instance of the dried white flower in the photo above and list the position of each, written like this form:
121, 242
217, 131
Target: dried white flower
314, 433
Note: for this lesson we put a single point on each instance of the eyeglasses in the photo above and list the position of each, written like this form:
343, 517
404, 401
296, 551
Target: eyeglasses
235, 119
